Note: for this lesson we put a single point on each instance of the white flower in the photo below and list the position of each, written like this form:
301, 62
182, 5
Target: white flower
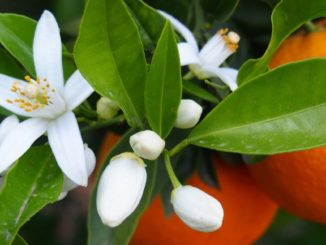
8, 124
197, 209
205, 63
90, 158
120, 188
189, 112
107, 108
48, 102
147, 144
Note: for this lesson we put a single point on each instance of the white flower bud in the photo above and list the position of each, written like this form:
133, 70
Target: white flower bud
147, 144
106, 108
189, 113
197, 209
120, 188
90, 159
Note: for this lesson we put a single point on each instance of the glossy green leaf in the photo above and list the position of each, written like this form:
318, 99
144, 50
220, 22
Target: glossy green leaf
287, 16
149, 19
164, 88
98, 233
110, 56
33, 182
19, 241
193, 89
222, 9
16, 36
280, 111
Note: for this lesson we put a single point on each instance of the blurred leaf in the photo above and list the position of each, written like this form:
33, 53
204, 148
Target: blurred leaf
16, 36
163, 87
110, 56
34, 181
280, 111
222, 9
9, 66
286, 18
193, 89
19, 240
98, 233
150, 20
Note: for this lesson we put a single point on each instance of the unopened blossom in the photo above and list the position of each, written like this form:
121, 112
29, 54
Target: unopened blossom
48, 103
107, 108
197, 209
147, 144
188, 115
120, 188
205, 63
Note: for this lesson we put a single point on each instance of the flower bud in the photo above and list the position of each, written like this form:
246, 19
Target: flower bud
189, 113
120, 188
147, 144
90, 160
197, 209
106, 108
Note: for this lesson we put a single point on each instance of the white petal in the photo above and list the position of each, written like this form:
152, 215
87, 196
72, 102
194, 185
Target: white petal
90, 158
197, 209
47, 51
76, 90
17, 141
147, 144
120, 188
187, 54
182, 29
8, 124
67, 146
227, 75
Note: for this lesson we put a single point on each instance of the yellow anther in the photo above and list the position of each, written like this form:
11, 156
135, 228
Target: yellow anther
27, 78
9, 101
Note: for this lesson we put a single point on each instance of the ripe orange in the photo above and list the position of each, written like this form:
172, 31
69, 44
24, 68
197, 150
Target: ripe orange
247, 214
300, 47
297, 180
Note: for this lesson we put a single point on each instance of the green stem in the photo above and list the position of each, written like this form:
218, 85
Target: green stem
102, 124
188, 76
215, 85
310, 26
178, 147
174, 180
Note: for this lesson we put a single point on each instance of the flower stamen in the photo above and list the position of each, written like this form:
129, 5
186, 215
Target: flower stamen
32, 95
230, 38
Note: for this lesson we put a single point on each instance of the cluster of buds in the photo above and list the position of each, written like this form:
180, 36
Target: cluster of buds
123, 181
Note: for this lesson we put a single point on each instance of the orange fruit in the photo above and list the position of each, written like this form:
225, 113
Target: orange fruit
247, 213
300, 47
297, 180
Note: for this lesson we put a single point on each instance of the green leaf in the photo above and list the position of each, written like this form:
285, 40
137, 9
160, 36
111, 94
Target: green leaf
163, 88
287, 16
98, 233
110, 56
222, 9
16, 36
280, 111
9, 66
34, 181
149, 19
193, 89
19, 240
